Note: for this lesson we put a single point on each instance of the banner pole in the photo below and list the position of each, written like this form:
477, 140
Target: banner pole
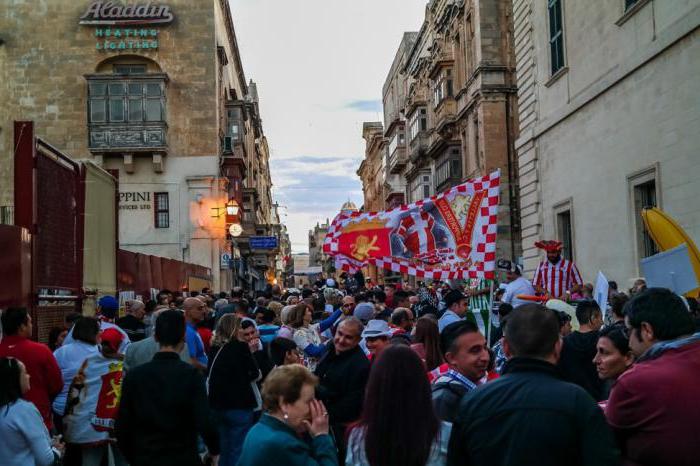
488, 327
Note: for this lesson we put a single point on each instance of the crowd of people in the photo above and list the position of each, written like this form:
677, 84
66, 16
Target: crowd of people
348, 372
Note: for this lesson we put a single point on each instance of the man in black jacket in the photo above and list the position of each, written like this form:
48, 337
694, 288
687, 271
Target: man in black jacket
164, 405
529, 415
343, 373
579, 349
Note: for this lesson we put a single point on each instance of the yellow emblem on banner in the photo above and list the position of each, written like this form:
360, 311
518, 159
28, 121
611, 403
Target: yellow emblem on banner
363, 246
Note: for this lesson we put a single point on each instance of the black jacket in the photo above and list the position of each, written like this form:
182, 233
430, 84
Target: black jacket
446, 394
163, 408
529, 416
231, 371
134, 328
576, 362
342, 383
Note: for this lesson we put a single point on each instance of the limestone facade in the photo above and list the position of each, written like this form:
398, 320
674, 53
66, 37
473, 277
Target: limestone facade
609, 110
450, 111
165, 105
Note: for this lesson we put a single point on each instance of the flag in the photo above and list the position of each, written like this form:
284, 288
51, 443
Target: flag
448, 236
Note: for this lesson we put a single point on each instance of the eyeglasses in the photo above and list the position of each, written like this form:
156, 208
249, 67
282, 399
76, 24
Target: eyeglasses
625, 332
348, 305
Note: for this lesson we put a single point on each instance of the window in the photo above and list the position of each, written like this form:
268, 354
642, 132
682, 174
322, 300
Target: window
556, 35
644, 196
129, 69
420, 187
443, 87
449, 167
162, 210
630, 3
563, 218
396, 141
125, 100
417, 122
235, 123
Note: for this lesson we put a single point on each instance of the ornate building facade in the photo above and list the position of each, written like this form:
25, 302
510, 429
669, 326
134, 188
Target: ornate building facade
450, 112
156, 94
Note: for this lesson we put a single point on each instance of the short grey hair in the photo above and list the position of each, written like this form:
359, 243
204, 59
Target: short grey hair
352, 320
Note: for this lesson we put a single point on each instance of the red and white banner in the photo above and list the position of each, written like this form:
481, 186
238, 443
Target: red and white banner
447, 236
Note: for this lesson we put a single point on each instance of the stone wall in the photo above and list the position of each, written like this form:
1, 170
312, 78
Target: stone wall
47, 53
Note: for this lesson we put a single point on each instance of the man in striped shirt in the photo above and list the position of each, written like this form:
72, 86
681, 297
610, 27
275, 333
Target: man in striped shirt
556, 275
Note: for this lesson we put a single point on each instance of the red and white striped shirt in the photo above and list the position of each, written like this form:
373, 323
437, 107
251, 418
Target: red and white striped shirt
557, 279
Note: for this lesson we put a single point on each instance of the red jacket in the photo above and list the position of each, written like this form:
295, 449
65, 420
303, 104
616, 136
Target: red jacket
45, 378
654, 409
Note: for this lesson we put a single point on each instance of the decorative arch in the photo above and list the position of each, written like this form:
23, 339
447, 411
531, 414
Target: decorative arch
107, 66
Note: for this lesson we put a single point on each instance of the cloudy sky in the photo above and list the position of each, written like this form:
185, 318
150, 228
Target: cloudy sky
319, 66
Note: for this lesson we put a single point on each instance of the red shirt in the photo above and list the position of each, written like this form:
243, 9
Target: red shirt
205, 334
45, 378
654, 409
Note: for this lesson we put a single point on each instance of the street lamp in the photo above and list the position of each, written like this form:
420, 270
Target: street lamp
232, 207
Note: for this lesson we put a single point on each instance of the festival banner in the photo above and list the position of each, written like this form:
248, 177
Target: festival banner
448, 236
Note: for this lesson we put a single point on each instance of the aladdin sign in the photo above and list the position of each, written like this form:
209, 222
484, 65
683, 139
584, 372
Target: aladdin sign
113, 14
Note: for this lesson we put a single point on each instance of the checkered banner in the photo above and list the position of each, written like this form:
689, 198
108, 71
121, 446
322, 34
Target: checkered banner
447, 236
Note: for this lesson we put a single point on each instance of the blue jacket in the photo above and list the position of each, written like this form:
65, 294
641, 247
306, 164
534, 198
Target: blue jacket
272, 442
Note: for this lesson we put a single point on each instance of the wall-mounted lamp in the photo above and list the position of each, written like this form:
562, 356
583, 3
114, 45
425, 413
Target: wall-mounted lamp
232, 207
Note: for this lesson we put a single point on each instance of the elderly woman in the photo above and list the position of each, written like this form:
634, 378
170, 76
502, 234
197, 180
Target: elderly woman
307, 336
294, 429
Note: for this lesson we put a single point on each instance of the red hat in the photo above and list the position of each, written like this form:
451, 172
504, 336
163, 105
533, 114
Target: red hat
112, 337
549, 245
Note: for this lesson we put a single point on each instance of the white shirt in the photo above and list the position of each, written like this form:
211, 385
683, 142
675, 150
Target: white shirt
518, 286
70, 357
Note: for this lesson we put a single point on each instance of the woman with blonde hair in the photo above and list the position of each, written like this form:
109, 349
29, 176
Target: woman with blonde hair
294, 429
233, 395
307, 336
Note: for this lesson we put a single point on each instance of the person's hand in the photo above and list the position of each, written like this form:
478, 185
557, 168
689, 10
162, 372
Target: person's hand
254, 345
58, 445
213, 460
319, 419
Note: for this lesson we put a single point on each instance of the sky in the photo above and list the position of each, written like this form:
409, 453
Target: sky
319, 66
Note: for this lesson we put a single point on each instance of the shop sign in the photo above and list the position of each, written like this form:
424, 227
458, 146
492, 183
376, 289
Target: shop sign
113, 14
139, 200
263, 242
126, 27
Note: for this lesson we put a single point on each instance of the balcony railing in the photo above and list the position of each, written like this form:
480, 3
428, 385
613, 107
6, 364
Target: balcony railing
397, 160
120, 137
418, 146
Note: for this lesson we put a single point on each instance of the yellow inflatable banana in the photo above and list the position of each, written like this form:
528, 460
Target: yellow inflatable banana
667, 234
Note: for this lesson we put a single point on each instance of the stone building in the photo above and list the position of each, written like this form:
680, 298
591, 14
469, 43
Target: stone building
609, 111
157, 94
372, 169
449, 111
316, 255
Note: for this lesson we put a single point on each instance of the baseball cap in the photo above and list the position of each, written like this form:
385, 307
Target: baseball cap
112, 337
509, 266
376, 328
108, 302
453, 297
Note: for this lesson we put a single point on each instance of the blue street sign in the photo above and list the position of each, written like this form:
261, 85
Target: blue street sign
263, 242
